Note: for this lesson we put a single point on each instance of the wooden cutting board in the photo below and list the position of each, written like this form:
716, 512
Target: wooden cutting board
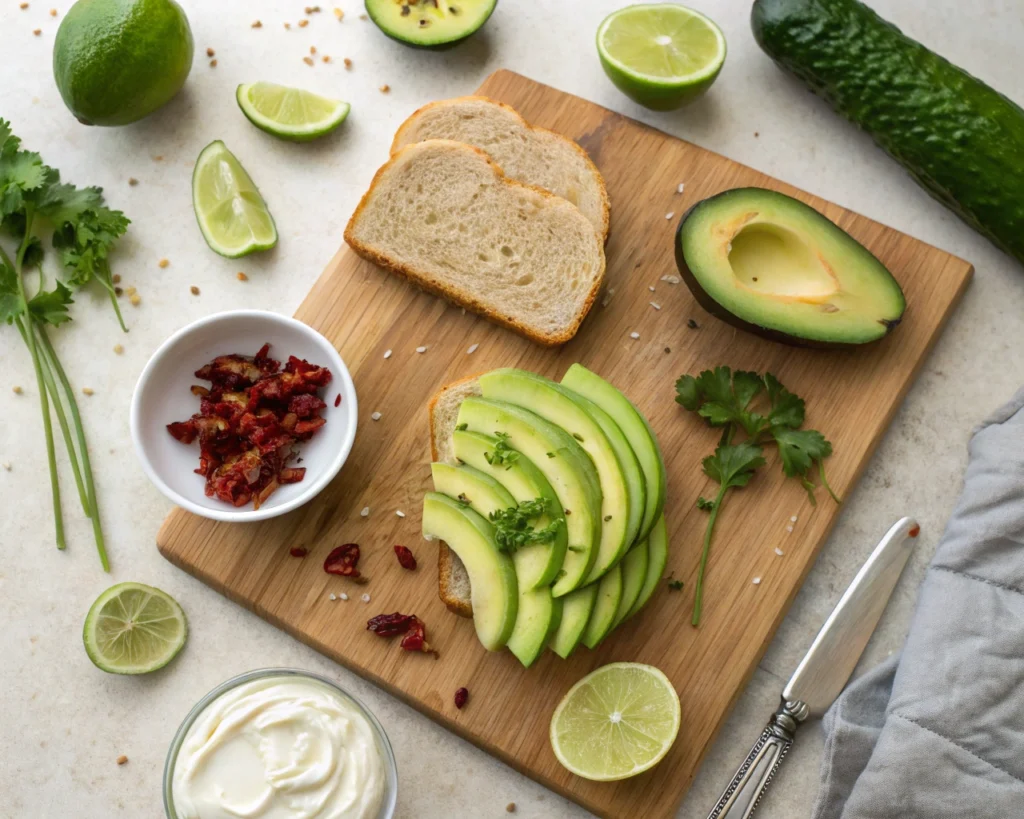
851, 397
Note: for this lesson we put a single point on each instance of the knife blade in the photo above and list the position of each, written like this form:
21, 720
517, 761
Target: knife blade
825, 669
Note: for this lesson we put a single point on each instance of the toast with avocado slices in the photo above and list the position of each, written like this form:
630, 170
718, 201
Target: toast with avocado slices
526, 153
444, 216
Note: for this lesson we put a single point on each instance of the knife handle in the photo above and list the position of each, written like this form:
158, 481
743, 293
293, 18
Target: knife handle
741, 797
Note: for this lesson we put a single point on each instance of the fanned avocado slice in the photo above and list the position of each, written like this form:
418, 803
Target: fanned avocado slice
429, 23
767, 263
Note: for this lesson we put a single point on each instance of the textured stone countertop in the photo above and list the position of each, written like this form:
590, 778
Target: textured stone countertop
63, 722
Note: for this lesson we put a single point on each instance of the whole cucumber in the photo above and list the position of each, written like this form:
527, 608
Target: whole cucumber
959, 138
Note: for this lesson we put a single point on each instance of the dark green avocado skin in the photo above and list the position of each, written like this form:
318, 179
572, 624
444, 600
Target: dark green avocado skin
719, 312
413, 43
960, 139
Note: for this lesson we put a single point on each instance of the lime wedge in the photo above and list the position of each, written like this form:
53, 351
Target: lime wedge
616, 722
134, 629
660, 55
290, 113
232, 215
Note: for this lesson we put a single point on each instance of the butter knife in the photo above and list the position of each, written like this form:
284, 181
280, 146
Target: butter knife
824, 671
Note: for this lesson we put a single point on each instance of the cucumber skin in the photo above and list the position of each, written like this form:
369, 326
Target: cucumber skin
959, 138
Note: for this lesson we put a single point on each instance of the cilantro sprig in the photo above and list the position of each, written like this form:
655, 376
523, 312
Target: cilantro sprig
83, 232
726, 399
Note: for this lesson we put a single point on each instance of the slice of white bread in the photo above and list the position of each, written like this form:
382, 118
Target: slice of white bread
443, 215
534, 156
452, 579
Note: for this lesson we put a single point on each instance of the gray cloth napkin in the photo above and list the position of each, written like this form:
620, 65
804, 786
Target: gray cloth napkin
938, 733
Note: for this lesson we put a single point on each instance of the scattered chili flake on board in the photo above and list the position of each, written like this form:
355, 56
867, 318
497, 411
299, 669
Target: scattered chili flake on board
391, 625
298, 551
337, 400
460, 697
342, 561
406, 559
250, 419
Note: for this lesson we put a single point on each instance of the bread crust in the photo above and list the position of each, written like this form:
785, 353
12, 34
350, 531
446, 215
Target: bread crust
605, 203
461, 298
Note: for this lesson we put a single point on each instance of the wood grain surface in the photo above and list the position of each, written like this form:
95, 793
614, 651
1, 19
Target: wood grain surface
851, 397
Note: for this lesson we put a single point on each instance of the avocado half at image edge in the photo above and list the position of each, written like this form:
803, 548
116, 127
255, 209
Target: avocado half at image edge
769, 264
431, 24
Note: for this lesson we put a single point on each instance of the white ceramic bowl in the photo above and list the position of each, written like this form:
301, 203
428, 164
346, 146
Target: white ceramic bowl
162, 396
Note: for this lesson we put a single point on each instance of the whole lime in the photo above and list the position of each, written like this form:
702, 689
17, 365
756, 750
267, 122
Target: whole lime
117, 61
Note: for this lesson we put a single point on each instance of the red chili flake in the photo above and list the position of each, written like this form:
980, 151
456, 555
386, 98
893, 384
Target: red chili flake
415, 631
298, 551
405, 557
342, 561
460, 697
337, 401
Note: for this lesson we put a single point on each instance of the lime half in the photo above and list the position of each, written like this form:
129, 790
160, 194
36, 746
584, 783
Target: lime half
232, 215
661, 55
134, 629
290, 113
616, 722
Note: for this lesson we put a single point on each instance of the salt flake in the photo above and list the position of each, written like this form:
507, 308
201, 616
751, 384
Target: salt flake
400, 513
387, 354
375, 416
365, 513
634, 335
757, 581
472, 349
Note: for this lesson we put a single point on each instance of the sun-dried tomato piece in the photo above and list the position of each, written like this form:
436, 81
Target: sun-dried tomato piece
298, 551
305, 405
391, 625
342, 561
416, 639
460, 697
184, 431
292, 474
337, 400
405, 557
304, 429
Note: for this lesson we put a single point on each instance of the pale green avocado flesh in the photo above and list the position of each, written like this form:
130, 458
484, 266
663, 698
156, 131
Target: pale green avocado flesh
492, 575
535, 608
602, 618
770, 264
657, 557
566, 467
576, 609
537, 564
429, 23
634, 573
637, 431
557, 405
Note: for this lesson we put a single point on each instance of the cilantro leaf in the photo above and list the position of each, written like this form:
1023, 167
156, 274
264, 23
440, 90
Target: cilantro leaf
721, 397
10, 300
799, 449
51, 306
20, 172
687, 392
734, 464
787, 410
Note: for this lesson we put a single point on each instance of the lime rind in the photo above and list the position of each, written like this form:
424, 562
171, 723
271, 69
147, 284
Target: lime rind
134, 629
618, 721
231, 213
290, 113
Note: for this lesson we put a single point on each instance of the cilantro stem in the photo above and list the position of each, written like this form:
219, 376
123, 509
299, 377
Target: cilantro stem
699, 595
90, 485
51, 457
105, 279
824, 481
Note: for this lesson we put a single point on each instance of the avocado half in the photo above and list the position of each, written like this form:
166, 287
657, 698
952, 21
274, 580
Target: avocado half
435, 24
767, 263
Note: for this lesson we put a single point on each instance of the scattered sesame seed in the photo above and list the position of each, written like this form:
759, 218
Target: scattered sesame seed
241, 276
671, 279
472, 349
210, 52
133, 181
287, 25
7, 466
213, 63
37, 32
375, 416
18, 390
387, 354
118, 349
158, 158
789, 528
365, 512
312, 49
303, 23
325, 58
634, 335
135, 300
257, 24
365, 598
680, 188
312, 9
87, 391
793, 519
655, 305
116, 278
757, 581
121, 759
339, 13
779, 551
163, 263
670, 214
118, 291
421, 349
23, 6
348, 62
385, 88
510, 807
757, 133
400, 513
363, 17
194, 290
307, 60
343, 596
334, 596
650, 287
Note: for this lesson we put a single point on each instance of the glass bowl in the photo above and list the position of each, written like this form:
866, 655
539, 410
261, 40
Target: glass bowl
387, 807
